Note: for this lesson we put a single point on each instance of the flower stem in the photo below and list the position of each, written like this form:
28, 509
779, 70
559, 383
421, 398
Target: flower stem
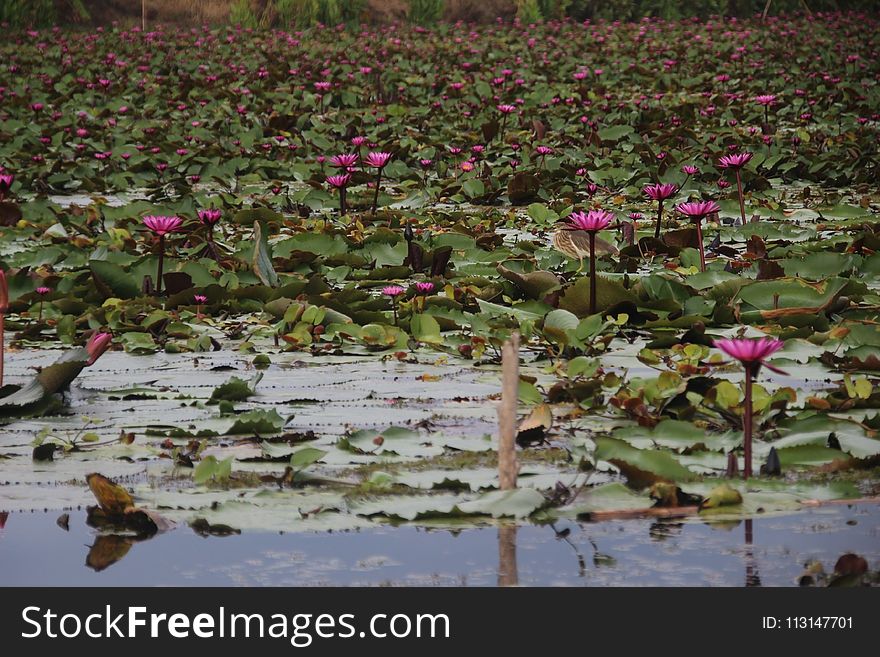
376, 195
739, 189
342, 201
659, 218
747, 426
394, 310
161, 262
700, 242
592, 273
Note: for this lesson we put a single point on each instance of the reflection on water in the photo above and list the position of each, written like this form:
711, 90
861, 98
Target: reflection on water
752, 577
774, 551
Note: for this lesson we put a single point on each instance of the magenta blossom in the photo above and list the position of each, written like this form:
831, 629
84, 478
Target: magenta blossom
734, 160
592, 221
161, 225
339, 181
698, 210
6, 180
200, 299
210, 216
345, 160
690, 170
97, 345
425, 288
393, 291
765, 99
507, 109
377, 159
752, 354
42, 291
660, 192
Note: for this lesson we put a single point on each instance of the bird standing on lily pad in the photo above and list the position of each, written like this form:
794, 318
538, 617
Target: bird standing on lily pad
575, 244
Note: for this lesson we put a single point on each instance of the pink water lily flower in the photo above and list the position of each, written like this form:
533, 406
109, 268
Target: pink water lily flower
753, 355
425, 288
6, 180
660, 192
696, 211
161, 225
344, 160
200, 298
751, 352
42, 291
734, 160
592, 221
210, 216
339, 181
377, 159
393, 291
97, 345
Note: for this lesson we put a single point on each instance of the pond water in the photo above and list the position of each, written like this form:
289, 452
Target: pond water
766, 551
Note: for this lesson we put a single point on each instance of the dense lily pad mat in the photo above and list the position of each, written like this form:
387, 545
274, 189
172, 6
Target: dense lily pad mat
314, 342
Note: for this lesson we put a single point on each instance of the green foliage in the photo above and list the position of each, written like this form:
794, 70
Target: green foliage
305, 13
240, 13
27, 13
528, 11
425, 12
553, 9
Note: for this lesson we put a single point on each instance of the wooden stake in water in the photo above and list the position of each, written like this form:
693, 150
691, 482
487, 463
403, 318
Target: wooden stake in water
507, 465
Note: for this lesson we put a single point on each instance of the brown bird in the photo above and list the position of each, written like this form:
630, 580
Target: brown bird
576, 244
